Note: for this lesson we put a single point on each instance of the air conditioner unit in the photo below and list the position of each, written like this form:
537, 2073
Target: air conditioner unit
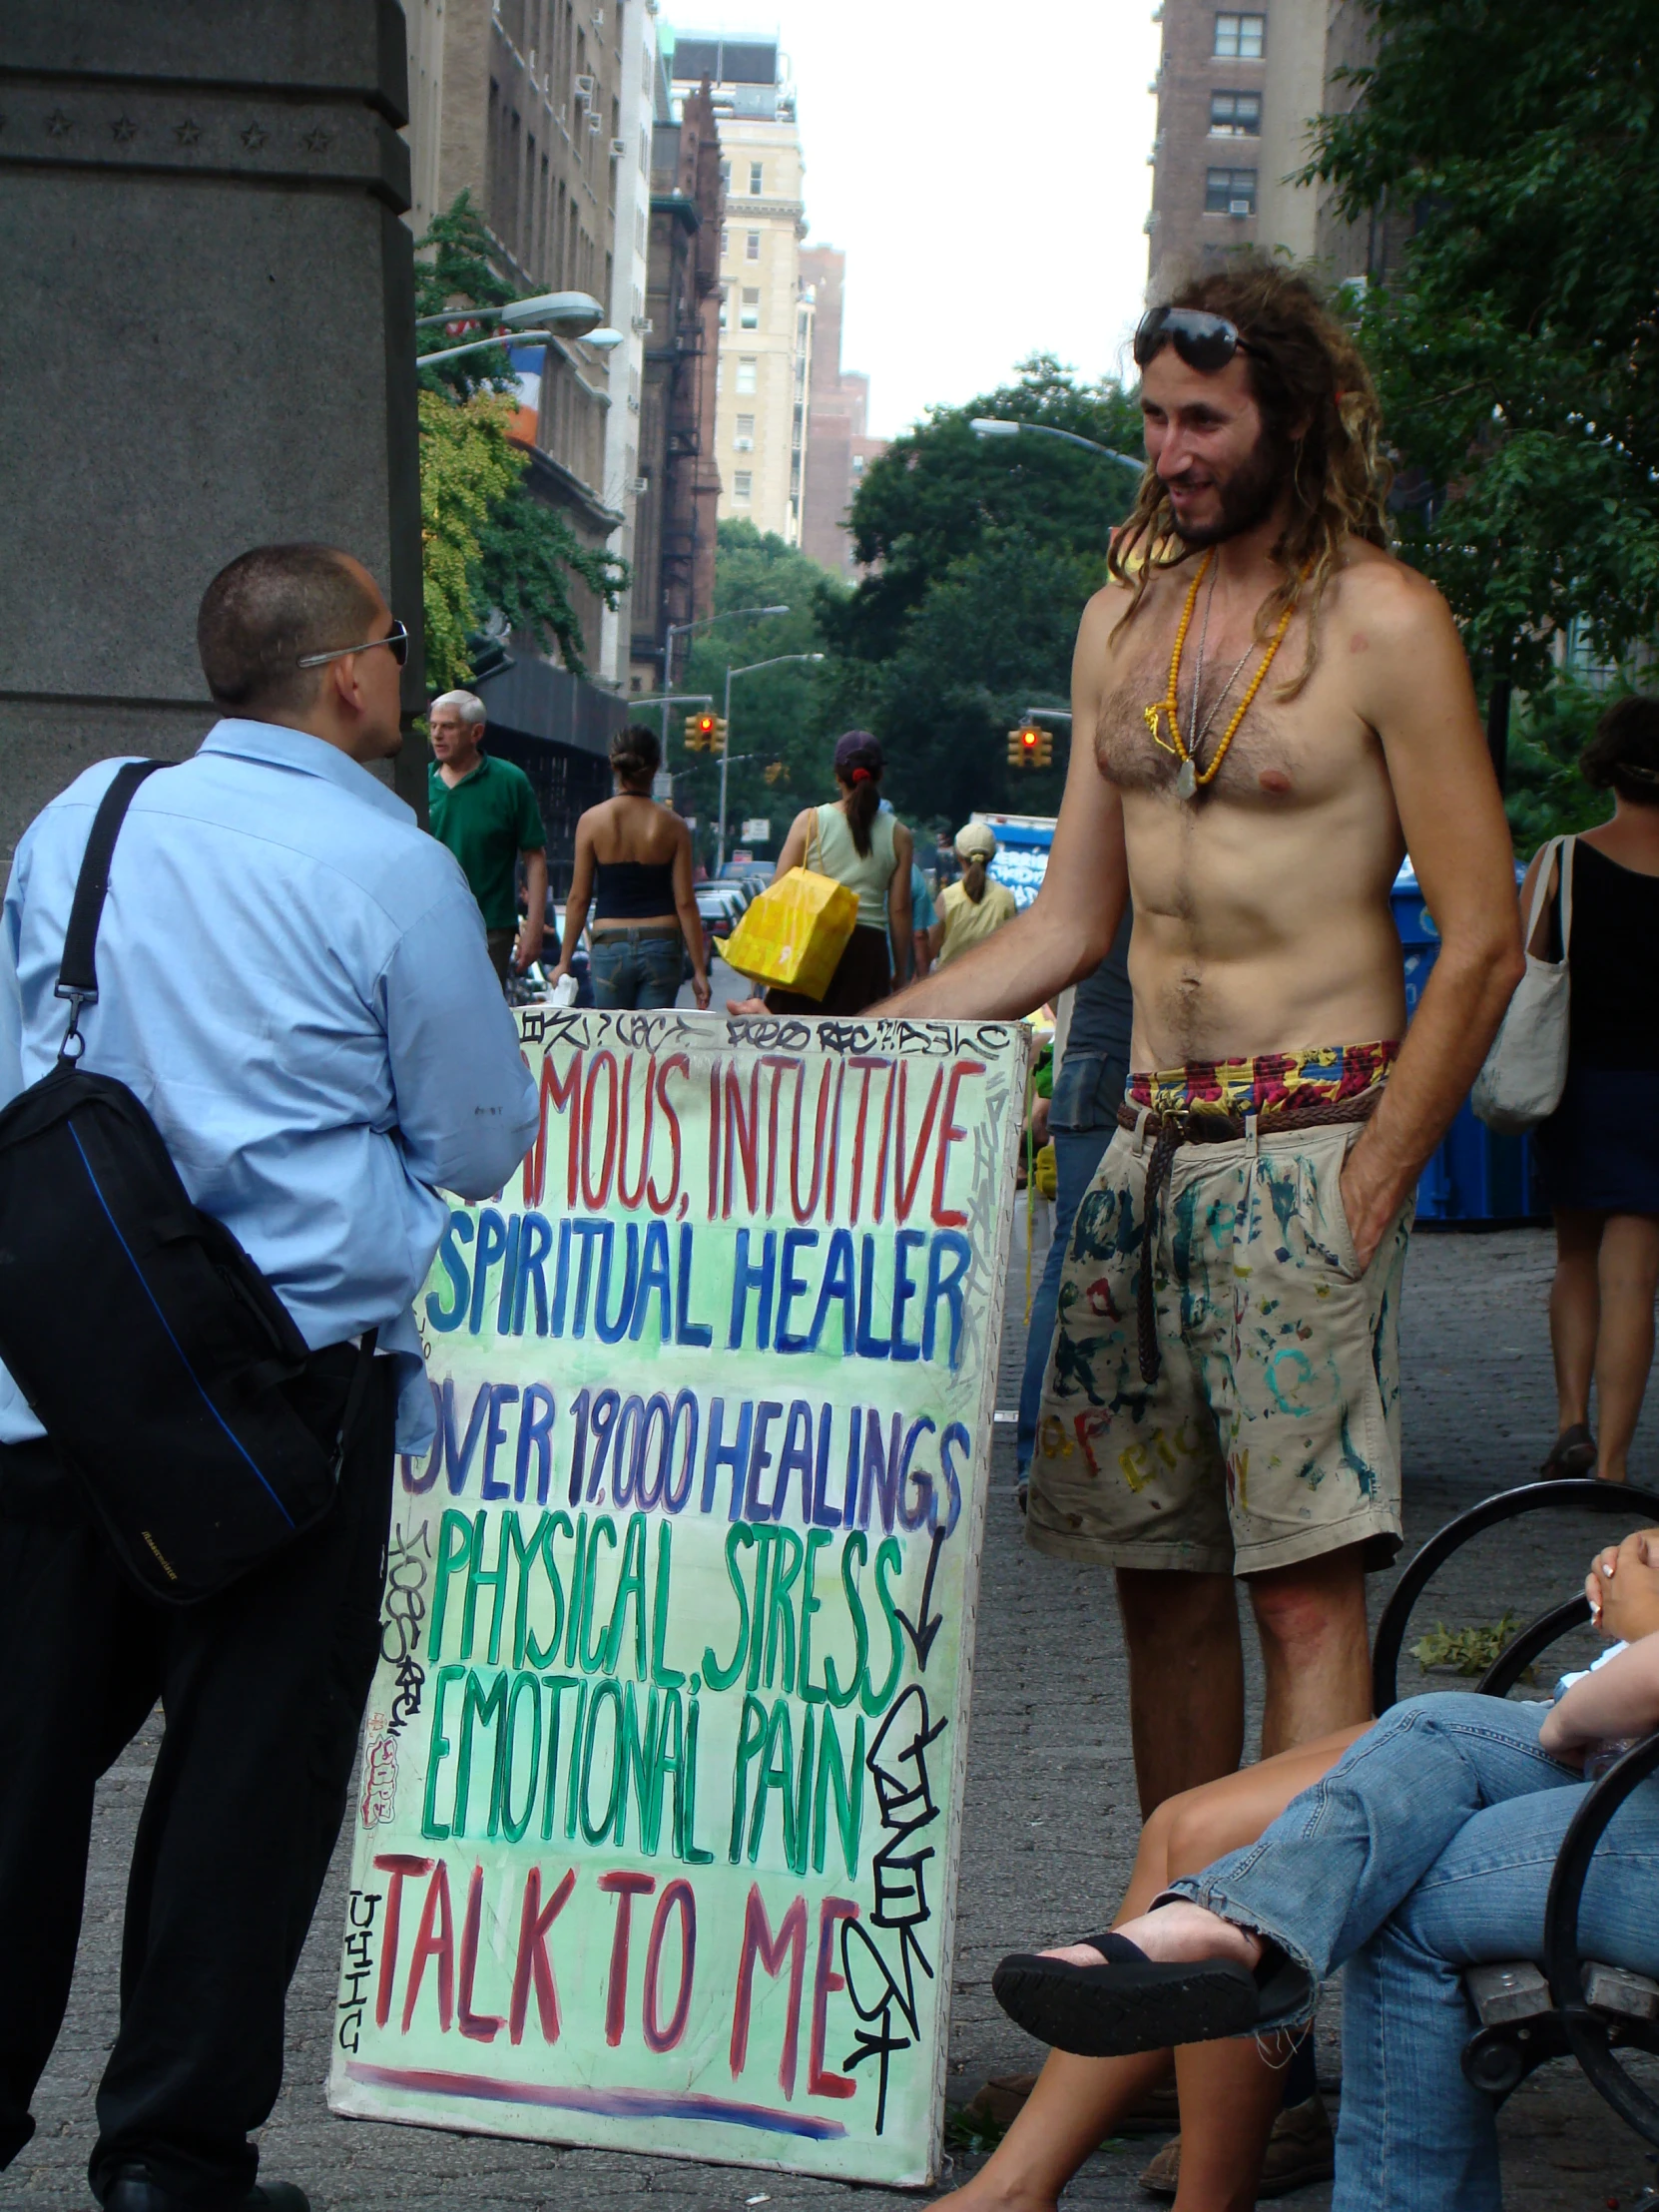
642, 326
742, 445
599, 19
619, 147
593, 123
584, 88
639, 485
1239, 206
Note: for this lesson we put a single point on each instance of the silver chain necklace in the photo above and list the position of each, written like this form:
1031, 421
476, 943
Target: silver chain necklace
1195, 735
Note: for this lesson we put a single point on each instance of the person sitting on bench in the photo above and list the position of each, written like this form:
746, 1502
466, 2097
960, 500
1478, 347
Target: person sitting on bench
1409, 1850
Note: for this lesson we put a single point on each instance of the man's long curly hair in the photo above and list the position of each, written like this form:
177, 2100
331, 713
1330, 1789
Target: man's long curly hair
1319, 403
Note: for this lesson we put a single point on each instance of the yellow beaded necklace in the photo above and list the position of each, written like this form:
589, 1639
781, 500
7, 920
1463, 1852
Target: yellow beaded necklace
1191, 778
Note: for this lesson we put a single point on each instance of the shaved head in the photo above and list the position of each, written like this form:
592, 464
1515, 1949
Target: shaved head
269, 608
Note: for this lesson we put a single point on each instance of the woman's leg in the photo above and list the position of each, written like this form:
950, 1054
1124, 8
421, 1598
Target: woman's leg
1076, 2100
1328, 1872
1627, 1276
1574, 1311
1414, 2136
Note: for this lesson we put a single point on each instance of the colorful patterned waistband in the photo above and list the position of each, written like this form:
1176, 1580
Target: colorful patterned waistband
1320, 1075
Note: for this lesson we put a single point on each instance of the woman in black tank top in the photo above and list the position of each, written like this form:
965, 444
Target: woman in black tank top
634, 868
1601, 1148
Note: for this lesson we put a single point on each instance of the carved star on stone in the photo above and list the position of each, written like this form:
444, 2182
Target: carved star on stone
315, 142
124, 130
254, 138
188, 133
58, 124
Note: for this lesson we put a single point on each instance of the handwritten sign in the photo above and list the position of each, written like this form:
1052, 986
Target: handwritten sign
656, 1837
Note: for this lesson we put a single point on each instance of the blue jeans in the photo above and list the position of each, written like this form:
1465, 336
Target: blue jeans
1081, 1120
634, 969
1429, 1848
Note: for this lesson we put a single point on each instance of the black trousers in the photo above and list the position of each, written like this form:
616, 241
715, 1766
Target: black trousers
262, 1689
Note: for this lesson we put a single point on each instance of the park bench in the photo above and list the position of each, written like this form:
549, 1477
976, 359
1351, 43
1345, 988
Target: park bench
1564, 2006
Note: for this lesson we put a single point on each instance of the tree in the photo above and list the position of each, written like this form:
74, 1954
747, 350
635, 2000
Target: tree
936, 492
783, 717
983, 555
490, 543
1516, 348
467, 468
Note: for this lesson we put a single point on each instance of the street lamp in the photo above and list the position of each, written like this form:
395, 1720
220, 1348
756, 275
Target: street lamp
999, 426
563, 309
682, 629
753, 668
481, 345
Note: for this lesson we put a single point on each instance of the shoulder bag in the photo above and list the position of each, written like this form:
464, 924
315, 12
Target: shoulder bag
152, 1350
1525, 1071
795, 932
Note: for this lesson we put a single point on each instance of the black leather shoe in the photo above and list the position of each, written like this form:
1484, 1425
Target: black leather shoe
134, 2191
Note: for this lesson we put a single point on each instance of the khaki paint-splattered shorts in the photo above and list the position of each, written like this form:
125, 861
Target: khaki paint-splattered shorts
1272, 1433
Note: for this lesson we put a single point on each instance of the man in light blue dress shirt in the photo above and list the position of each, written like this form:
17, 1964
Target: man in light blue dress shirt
294, 979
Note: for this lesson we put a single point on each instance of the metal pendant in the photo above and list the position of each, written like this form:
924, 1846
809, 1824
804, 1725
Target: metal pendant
1186, 784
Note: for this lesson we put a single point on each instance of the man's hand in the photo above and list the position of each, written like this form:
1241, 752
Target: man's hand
701, 992
1039, 1121
1372, 1190
528, 946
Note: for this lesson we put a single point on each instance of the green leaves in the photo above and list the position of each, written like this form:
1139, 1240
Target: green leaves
984, 552
1516, 342
487, 542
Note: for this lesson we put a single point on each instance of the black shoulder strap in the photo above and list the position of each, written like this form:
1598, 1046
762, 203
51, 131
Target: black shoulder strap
78, 971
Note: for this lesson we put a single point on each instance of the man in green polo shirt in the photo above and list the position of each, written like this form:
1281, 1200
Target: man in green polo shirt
485, 811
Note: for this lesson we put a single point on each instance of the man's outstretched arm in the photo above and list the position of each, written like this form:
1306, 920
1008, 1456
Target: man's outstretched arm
1421, 704
1069, 928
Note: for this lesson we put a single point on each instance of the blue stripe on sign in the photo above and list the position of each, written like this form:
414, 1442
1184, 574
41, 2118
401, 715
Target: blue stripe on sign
171, 1337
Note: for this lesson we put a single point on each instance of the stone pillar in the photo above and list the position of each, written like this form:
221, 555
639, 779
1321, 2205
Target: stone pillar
207, 343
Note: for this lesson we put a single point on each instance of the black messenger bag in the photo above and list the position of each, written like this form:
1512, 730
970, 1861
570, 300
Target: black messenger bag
154, 1353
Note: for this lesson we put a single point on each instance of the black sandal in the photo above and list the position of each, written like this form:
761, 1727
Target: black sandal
1573, 1453
1132, 2002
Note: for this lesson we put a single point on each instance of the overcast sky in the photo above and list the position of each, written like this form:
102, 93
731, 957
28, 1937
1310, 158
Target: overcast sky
983, 165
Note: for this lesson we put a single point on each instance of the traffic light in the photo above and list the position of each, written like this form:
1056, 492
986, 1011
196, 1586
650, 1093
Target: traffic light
704, 732
719, 745
1029, 746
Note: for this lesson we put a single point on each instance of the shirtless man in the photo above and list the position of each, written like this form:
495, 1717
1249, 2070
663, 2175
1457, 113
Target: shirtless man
1244, 1421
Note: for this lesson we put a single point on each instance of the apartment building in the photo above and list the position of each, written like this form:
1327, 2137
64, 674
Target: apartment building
541, 110
678, 501
840, 448
1236, 91
763, 407
626, 311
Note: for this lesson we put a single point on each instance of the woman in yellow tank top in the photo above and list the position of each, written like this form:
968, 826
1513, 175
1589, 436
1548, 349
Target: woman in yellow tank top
852, 840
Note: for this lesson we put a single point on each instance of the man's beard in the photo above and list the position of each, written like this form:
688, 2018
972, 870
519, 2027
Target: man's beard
1248, 498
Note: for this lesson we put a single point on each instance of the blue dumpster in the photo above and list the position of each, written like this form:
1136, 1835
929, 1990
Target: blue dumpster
1475, 1175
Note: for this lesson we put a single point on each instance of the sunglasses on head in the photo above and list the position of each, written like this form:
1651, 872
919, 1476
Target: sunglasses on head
1204, 341
396, 640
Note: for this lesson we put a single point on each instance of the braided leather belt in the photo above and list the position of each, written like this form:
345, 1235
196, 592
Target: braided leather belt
1210, 1125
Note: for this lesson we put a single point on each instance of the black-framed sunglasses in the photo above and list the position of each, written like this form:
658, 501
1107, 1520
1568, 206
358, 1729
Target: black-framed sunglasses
398, 637
1204, 341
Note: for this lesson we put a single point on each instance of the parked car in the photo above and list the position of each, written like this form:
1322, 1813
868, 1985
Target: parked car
720, 907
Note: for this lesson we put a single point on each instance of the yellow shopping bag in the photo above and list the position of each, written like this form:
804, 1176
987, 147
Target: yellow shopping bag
795, 932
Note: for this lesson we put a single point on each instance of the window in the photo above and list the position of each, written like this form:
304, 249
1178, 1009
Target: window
725, 242
746, 373
754, 176
723, 324
1235, 115
1230, 191
726, 172
749, 315
746, 426
1240, 38
752, 247
742, 484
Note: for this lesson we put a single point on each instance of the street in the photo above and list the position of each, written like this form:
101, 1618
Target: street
1049, 1829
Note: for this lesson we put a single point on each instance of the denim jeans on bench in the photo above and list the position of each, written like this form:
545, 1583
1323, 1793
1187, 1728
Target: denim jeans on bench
1427, 1849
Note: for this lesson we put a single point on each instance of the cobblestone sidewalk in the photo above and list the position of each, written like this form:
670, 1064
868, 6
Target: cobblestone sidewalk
1050, 1825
